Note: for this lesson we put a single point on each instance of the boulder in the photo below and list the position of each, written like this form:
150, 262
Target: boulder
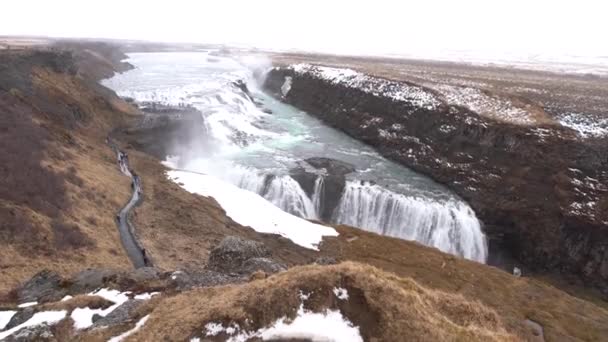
325, 261
232, 253
186, 280
40, 332
44, 286
266, 265
91, 279
144, 274
120, 315
20, 317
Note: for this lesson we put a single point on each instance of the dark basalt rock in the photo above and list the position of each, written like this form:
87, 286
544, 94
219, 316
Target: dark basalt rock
233, 254
44, 286
40, 332
332, 166
530, 188
334, 180
91, 279
20, 317
163, 127
183, 280
120, 315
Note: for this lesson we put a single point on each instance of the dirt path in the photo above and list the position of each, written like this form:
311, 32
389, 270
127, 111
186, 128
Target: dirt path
134, 250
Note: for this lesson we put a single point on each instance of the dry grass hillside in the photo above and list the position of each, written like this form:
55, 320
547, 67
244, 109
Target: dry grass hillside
563, 316
60, 186
384, 307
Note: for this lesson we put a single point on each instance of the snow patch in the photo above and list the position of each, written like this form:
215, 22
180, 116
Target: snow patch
83, 317
124, 335
250, 209
5, 317
585, 125
145, 296
326, 326
48, 317
482, 104
341, 293
26, 305
399, 91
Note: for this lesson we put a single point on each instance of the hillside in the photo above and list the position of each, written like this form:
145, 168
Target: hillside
62, 188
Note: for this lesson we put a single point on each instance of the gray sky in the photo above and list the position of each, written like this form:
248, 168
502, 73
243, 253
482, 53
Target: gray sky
378, 26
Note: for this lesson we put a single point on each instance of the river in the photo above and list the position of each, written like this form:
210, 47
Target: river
249, 135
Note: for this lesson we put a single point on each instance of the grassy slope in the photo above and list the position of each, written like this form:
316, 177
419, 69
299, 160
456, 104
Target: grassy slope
60, 204
384, 306
564, 317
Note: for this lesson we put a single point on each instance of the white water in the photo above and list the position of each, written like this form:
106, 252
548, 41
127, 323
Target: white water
286, 193
317, 201
255, 151
451, 226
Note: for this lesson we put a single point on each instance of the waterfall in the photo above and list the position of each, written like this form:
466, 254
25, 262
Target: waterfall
286, 193
317, 195
282, 191
450, 226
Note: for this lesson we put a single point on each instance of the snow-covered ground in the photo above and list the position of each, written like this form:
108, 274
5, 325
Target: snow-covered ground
5, 317
330, 325
398, 91
585, 125
126, 334
46, 317
83, 317
483, 104
250, 209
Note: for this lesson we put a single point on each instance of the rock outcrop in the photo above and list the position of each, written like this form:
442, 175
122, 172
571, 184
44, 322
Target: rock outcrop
333, 173
539, 189
235, 255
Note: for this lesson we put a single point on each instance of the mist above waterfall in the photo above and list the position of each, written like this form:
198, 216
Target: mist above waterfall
259, 144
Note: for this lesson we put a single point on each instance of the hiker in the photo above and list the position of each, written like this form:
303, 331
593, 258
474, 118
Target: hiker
143, 253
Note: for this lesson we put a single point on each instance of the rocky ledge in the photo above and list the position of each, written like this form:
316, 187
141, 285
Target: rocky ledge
539, 187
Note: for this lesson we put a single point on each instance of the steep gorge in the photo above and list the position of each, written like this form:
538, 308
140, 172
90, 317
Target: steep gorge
538, 189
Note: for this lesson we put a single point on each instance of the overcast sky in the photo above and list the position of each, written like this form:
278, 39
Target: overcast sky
375, 26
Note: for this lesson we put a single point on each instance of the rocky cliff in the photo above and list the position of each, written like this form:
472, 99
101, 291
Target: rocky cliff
538, 187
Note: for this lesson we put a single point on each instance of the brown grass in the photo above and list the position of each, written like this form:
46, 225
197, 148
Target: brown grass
563, 316
60, 187
384, 306
81, 301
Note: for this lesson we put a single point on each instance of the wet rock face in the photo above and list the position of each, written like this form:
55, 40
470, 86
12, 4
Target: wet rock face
334, 180
163, 128
539, 190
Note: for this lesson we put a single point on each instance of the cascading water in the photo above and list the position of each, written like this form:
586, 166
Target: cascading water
317, 194
254, 141
452, 226
286, 193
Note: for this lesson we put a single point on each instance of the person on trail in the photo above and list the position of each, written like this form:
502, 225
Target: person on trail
143, 253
